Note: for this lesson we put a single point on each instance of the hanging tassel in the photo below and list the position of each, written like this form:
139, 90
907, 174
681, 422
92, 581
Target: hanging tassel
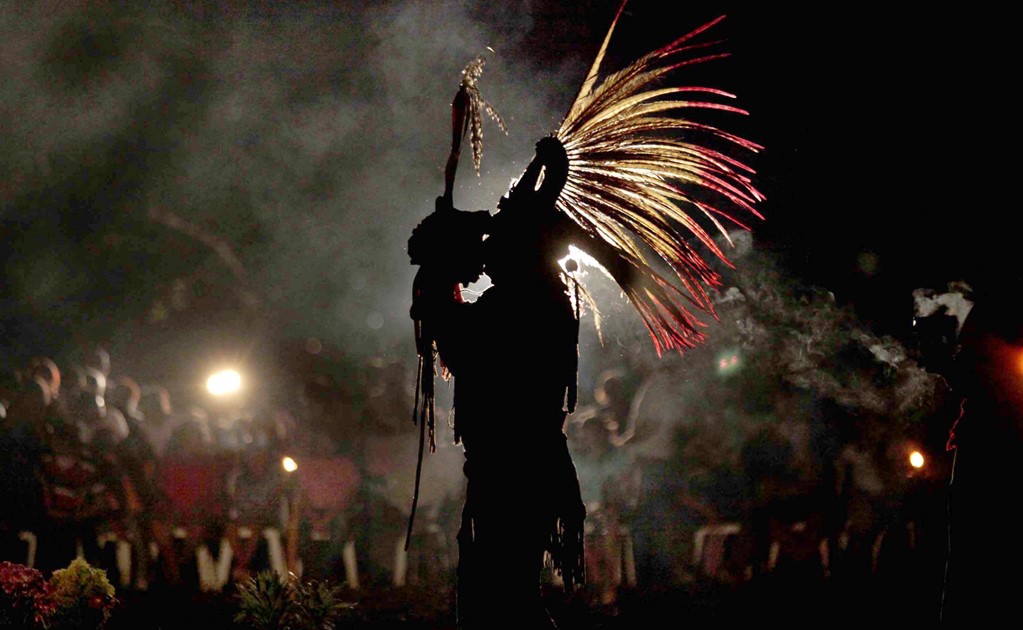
423, 408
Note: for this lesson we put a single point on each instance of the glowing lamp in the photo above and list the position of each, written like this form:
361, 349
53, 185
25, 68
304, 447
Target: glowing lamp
728, 362
916, 459
224, 382
289, 465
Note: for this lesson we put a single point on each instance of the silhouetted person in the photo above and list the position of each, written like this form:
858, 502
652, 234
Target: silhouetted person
865, 489
985, 545
22, 431
160, 420
608, 488
513, 353
257, 485
138, 460
764, 458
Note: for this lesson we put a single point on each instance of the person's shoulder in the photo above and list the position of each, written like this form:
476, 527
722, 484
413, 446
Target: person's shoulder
997, 316
990, 324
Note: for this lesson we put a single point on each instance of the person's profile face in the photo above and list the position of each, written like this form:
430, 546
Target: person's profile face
493, 263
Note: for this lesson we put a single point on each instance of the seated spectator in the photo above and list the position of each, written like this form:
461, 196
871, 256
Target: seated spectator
604, 472
256, 487
328, 489
137, 457
20, 443
192, 480
158, 418
81, 496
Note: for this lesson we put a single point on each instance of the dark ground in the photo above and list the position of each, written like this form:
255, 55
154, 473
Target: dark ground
795, 601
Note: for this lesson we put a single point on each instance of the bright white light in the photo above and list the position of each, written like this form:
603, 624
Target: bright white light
224, 382
582, 259
916, 459
289, 464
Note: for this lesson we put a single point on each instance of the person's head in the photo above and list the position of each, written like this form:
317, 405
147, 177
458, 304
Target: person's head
110, 429
155, 403
124, 392
520, 242
193, 436
593, 437
29, 406
97, 358
46, 369
609, 391
95, 382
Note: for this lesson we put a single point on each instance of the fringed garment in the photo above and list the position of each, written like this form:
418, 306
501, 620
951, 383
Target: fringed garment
514, 355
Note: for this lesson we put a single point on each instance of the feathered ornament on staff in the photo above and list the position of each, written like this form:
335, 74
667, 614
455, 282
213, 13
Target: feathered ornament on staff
634, 174
466, 117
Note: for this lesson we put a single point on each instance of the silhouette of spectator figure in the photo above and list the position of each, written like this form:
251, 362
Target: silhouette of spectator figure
256, 486
22, 429
103, 432
764, 457
137, 458
864, 487
328, 479
613, 397
159, 419
81, 488
608, 488
134, 449
802, 519
95, 357
984, 542
101, 426
192, 479
655, 432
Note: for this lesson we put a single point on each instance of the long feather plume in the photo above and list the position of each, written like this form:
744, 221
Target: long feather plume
642, 177
476, 106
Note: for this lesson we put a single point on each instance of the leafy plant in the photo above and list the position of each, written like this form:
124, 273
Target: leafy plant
319, 605
265, 602
269, 602
24, 597
82, 597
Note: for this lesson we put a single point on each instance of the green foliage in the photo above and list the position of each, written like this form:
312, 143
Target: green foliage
79, 597
267, 601
82, 597
319, 605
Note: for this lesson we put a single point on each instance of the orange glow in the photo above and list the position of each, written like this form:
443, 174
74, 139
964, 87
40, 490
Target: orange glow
916, 459
289, 464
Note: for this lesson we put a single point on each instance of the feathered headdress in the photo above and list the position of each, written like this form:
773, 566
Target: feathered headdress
636, 178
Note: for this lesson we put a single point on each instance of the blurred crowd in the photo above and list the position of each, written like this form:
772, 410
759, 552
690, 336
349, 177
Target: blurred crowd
792, 490
100, 466
161, 493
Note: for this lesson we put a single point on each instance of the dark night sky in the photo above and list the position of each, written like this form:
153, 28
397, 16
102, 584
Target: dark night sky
195, 178
873, 166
